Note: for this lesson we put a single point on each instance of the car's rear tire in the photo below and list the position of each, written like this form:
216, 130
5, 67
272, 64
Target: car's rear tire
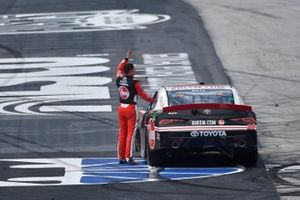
154, 158
150, 156
248, 156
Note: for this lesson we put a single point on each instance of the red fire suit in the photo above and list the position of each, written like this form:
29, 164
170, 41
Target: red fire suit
129, 89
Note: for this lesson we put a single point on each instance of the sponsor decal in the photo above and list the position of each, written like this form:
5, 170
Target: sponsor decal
198, 88
206, 112
155, 115
208, 133
94, 171
212, 133
203, 128
124, 93
158, 136
101, 20
123, 81
221, 122
203, 122
194, 133
172, 113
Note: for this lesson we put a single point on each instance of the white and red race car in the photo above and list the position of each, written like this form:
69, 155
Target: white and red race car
197, 119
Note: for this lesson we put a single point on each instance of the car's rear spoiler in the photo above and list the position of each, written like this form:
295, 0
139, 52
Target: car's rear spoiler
243, 108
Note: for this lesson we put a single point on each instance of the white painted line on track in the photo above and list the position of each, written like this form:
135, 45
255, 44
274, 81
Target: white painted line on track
87, 171
83, 21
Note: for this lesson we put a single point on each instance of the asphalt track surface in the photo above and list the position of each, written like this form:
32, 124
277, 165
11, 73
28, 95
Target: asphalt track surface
94, 134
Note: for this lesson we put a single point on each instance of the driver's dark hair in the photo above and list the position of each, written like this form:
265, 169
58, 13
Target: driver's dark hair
128, 67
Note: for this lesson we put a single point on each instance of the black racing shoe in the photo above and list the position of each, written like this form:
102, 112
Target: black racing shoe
130, 161
122, 161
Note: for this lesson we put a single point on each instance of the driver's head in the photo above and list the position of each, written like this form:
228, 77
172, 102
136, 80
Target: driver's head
129, 69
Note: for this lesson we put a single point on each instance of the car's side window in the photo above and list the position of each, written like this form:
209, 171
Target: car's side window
237, 98
162, 100
152, 105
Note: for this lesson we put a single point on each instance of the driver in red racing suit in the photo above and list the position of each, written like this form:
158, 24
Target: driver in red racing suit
129, 88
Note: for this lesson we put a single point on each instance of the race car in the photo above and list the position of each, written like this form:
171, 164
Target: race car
198, 119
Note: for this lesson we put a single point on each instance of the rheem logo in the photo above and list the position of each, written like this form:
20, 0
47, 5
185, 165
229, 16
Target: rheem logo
124, 93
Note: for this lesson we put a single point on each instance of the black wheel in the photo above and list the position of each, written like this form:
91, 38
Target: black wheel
149, 155
155, 158
247, 156
151, 159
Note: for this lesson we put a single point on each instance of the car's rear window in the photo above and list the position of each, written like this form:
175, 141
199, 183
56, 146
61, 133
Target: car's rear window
178, 97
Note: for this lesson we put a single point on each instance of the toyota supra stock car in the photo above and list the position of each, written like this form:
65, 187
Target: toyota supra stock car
197, 119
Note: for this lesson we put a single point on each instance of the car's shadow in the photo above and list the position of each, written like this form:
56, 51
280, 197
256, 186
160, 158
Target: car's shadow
199, 161
184, 167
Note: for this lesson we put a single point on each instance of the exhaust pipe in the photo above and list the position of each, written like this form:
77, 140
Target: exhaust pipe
175, 145
242, 143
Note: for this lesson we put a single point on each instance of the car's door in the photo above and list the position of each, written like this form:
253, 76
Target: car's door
142, 137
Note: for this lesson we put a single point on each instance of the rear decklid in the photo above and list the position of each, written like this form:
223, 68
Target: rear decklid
206, 117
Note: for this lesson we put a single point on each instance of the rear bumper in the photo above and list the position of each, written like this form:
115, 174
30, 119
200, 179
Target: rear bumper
206, 142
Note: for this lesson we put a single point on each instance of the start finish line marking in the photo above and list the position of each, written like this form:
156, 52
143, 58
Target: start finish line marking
96, 171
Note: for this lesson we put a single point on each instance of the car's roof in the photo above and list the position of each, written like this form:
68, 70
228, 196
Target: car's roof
198, 86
